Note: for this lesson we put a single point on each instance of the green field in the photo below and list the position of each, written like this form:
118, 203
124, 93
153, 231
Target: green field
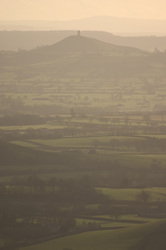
124, 239
82, 147
157, 194
85, 141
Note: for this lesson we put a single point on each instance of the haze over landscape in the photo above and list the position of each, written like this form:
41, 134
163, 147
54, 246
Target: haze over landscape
82, 124
125, 17
61, 10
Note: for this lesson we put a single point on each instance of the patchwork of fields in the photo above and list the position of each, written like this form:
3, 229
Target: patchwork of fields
82, 148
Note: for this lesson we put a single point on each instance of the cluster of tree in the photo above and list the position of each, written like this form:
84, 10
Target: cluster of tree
62, 190
32, 208
74, 130
22, 119
21, 223
118, 174
159, 56
11, 105
139, 144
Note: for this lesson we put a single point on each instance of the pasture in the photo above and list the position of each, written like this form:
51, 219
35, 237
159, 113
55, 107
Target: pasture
157, 194
131, 238
80, 147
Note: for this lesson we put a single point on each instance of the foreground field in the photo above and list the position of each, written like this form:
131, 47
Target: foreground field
146, 237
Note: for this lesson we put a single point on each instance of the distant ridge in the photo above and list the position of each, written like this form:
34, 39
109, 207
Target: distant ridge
116, 25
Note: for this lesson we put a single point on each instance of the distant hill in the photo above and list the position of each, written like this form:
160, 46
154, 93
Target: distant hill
82, 44
26, 40
81, 56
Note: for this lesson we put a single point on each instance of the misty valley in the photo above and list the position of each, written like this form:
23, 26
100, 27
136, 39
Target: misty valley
82, 147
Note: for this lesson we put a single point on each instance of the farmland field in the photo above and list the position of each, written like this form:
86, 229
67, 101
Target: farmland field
117, 239
157, 194
82, 147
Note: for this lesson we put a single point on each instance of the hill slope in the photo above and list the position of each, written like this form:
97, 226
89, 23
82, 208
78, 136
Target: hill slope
26, 40
80, 44
82, 57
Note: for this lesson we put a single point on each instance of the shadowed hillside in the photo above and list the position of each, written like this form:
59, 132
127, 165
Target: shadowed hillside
85, 44
26, 40
78, 55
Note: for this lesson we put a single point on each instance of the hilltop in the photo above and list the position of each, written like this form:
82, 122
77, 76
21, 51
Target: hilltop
83, 44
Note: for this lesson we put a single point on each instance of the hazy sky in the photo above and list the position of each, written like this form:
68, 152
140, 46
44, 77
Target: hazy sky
75, 9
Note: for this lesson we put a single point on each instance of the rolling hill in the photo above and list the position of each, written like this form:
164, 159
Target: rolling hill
83, 44
81, 56
26, 40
